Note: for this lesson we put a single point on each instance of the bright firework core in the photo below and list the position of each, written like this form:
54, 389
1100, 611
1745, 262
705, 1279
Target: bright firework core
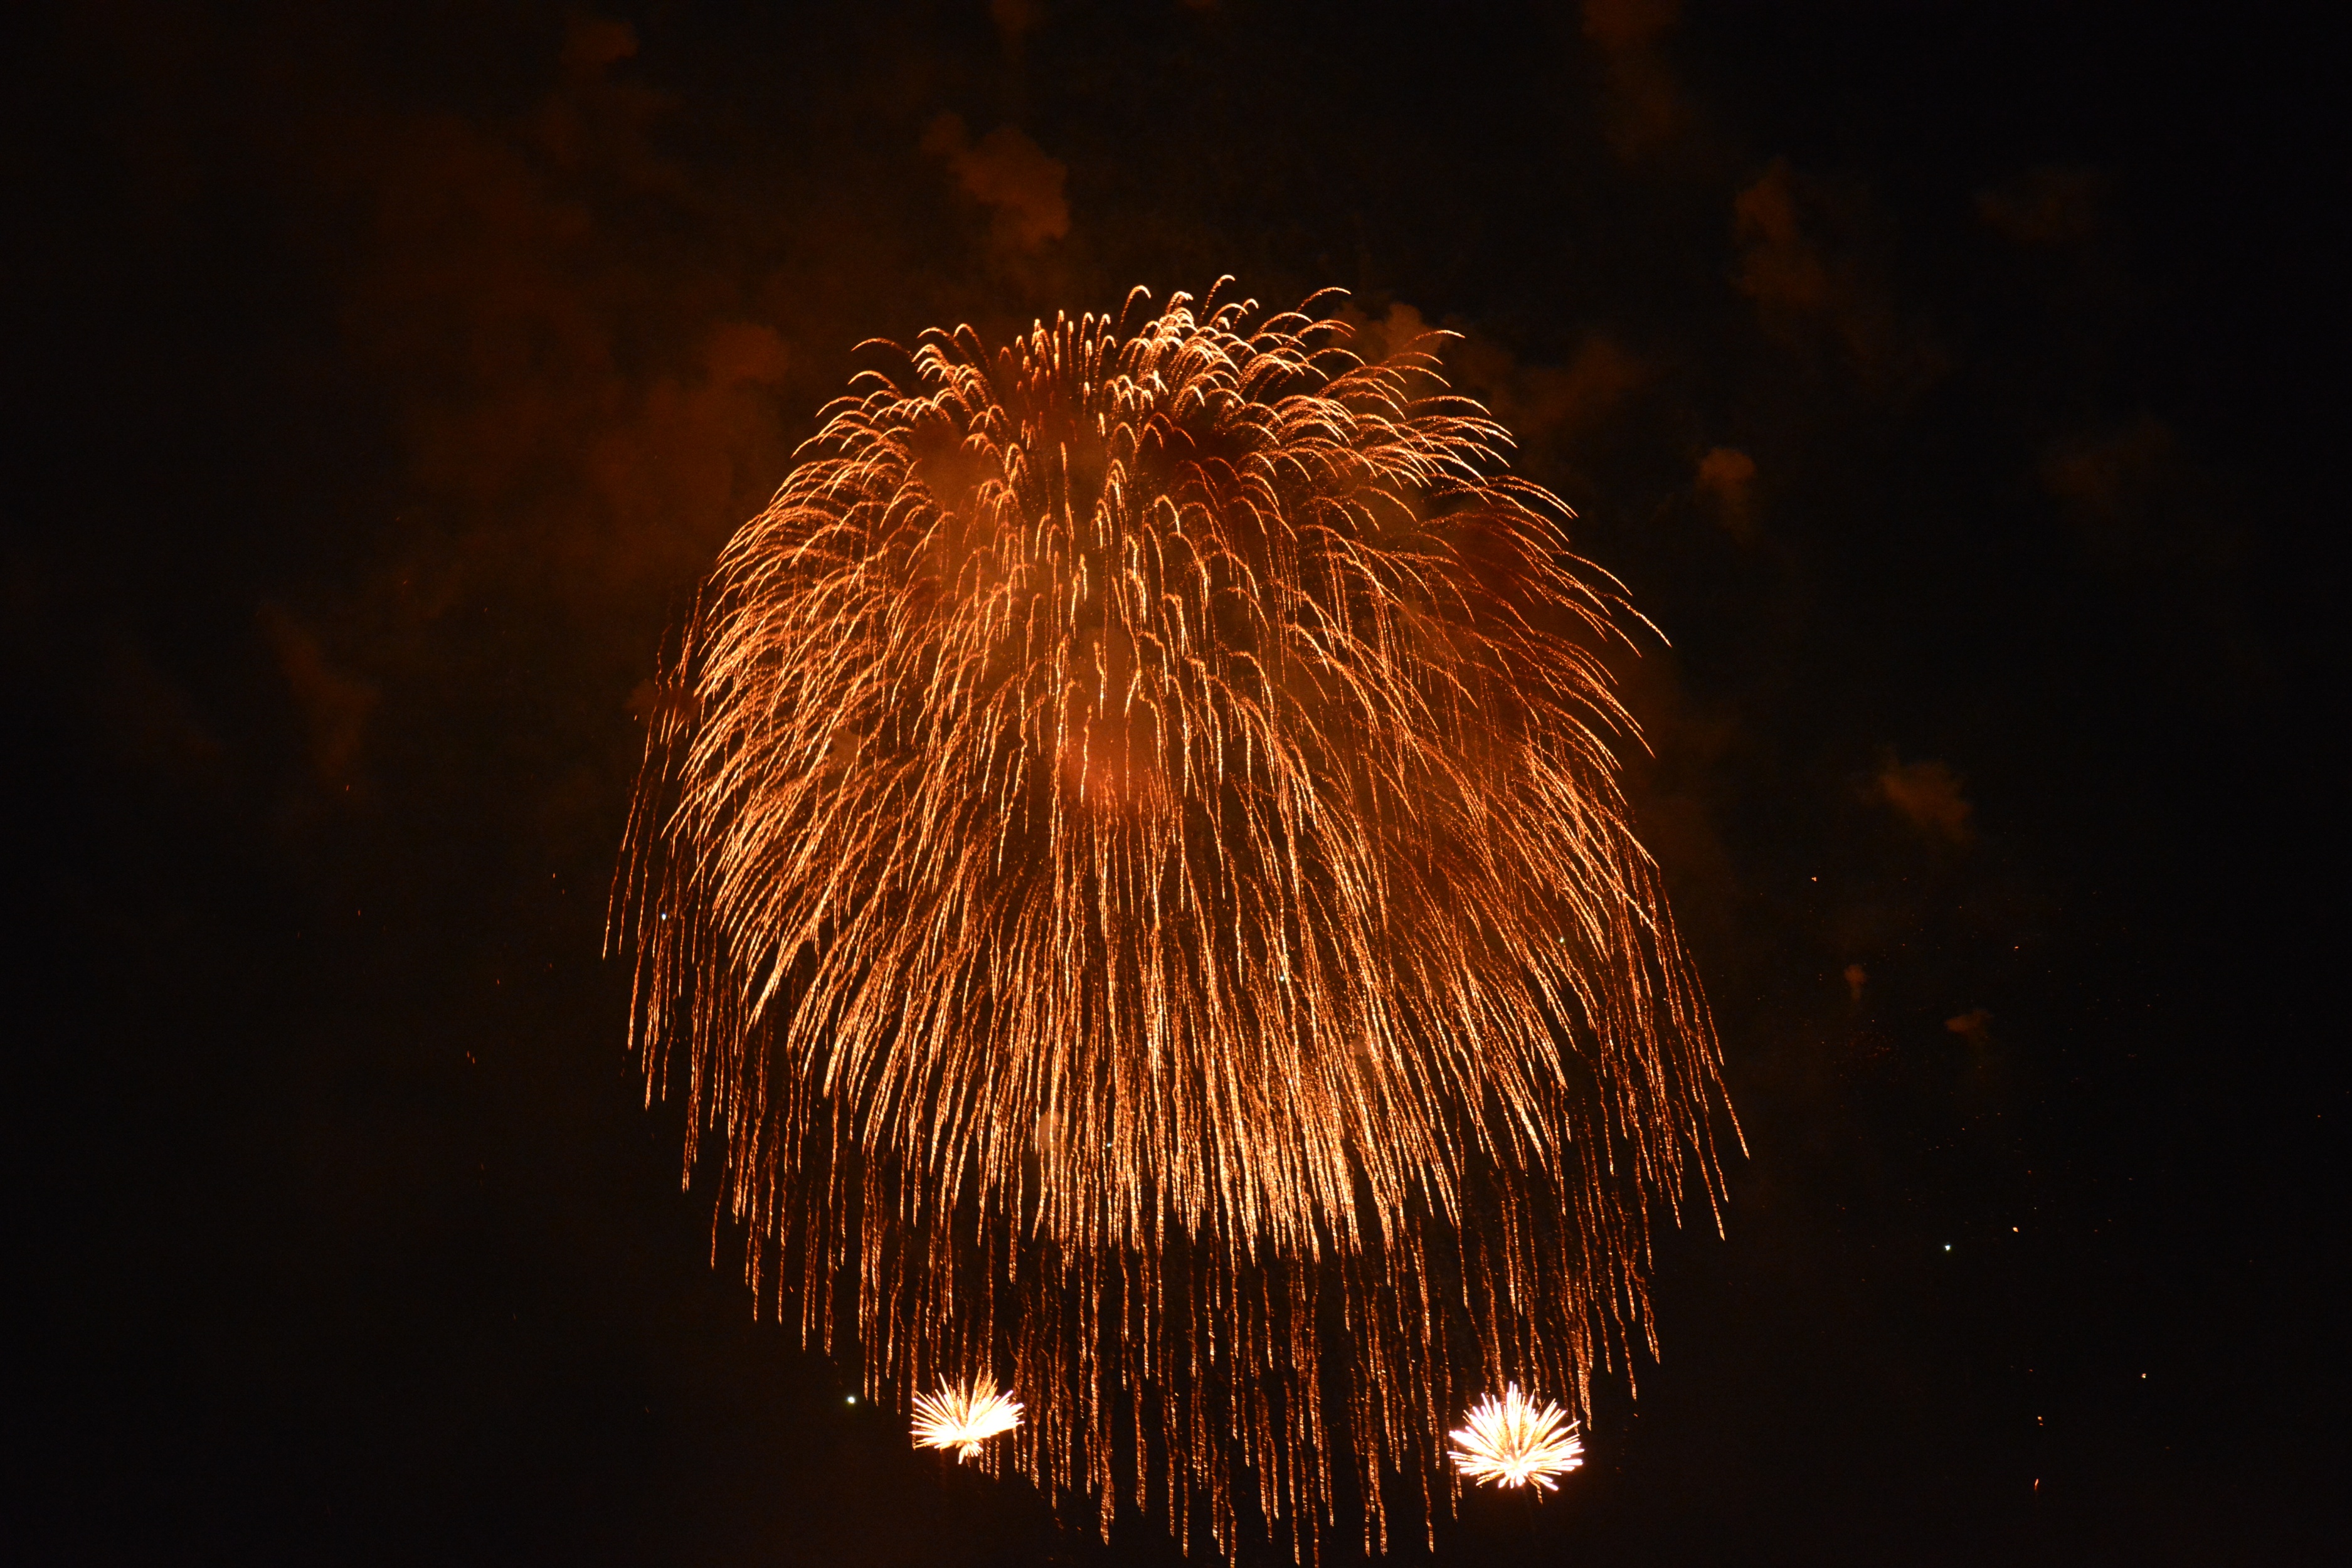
963, 1417
1513, 1440
1135, 871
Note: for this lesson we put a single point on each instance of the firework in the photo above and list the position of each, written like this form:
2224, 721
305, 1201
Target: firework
1513, 1440
963, 1417
1131, 870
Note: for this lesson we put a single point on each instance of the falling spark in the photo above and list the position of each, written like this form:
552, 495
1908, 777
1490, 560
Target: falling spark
964, 1417
1130, 869
1513, 1440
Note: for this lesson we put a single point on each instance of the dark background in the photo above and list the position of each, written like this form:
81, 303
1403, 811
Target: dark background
1958, 387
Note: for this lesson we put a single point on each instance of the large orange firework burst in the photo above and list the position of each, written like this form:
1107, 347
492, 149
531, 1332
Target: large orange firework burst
1136, 877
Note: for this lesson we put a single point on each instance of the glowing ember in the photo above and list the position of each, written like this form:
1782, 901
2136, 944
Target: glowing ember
1513, 1440
1131, 860
963, 1418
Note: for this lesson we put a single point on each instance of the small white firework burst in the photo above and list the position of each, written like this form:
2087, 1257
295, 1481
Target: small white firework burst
963, 1418
1513, 1440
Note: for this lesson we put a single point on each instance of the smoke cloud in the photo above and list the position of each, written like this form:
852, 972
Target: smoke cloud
1642, 108
1009, 175
1927, 795
1724, 477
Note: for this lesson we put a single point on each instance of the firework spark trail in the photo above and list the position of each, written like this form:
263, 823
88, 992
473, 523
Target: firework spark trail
1513, 1440
964, 1416
1133, 863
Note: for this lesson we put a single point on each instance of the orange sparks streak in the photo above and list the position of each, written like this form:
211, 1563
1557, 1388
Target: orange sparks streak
1133, 869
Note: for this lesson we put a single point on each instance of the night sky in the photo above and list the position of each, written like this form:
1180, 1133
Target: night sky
1959, 389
